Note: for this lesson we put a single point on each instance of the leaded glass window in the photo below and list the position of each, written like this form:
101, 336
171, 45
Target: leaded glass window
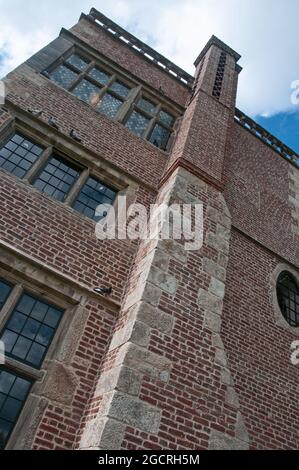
91, 196
19, 154
87, 92
137, 123
14, 390
288, 298
108, 93
57, 178
120, 89
99, 75
110, 105
63, 76
149, 120
166, 118
30, 330
160, 136
147, 105
76, 61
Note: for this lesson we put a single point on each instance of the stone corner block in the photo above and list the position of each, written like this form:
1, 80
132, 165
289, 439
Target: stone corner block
217, 288
221, 441
104, 433
134, 412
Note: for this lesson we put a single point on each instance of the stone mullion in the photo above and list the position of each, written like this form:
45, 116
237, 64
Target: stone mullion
38, 166
153, 122
10, 304
129, 104
73, 194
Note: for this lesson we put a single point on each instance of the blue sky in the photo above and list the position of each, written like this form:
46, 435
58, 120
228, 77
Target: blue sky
264, 32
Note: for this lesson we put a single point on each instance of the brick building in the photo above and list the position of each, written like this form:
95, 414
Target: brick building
191, 349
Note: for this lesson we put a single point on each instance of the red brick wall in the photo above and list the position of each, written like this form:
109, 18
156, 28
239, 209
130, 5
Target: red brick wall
257, 193
258, 350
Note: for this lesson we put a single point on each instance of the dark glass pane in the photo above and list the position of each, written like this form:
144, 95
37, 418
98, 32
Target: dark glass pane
99, 75
5, 430
57, 175
160, 137
120, 89
9, 339
14, 391
20, 389
78, 62
147, 105
17, 322
21, 348
110, 105
6, 382
45, 335
53, 317
166, 118
5, 290
87, 92
28, 334
63, 76
137, 123
19, 154
39, 311
26, 304
91, 196
36, 354
11, 409
31, 328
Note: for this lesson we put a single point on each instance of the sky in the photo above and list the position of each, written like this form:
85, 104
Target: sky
264, 32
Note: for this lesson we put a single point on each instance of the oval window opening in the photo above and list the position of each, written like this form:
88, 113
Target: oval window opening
288, 298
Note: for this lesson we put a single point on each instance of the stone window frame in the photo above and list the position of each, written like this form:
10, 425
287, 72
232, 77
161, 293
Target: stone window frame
45, 291
153, 118
278, 316
86, 165
137, 92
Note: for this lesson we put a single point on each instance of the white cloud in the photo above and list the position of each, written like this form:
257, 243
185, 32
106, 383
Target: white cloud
263, 31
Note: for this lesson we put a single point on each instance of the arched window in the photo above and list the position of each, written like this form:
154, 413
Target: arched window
288, 297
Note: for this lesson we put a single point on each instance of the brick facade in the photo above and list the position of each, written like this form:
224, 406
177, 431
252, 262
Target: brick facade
189, 351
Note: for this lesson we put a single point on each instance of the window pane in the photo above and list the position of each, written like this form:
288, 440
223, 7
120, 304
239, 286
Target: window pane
78, 62
30, 330
5, 290
147, 105
57, 178
166, 118
160, 137
137, 123
14, 391
91, 196
110, 105
87, 92
19, 154
99, 75
120, 89
63, 76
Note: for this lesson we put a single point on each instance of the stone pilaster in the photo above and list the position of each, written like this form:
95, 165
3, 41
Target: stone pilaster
119, 386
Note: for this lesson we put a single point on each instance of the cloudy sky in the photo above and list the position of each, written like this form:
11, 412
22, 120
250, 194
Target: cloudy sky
264, 32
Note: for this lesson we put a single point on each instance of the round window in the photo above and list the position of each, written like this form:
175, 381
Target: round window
288, 297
